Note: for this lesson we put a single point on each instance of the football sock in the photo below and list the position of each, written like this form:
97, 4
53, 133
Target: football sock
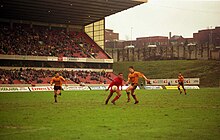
135, 98
128, 94
178, 88
116, 98
55, 98
109, 96
106, 101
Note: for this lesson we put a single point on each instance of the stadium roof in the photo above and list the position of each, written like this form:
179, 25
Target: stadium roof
76, 12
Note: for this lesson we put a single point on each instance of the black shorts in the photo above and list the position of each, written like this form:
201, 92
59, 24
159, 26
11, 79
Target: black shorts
134, 85
57, 88
181, 83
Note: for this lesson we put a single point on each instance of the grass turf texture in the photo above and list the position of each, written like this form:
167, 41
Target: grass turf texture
161, 114
207, 70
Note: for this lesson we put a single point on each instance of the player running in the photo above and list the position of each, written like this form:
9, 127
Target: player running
116, 82
57, 81
133, 77
181, 83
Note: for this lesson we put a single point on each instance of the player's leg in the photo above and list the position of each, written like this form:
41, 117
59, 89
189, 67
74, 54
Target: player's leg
55, 96
184, 88
179, 88
128, 92
58, 92
117, 96
133, 93
61, 88
134, 96
109, 96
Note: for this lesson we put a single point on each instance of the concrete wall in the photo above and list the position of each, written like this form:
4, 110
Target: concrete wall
164, 53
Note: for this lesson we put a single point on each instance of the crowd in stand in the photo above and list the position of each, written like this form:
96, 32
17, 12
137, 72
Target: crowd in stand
29, 76
42, 41
24, 39
24, 76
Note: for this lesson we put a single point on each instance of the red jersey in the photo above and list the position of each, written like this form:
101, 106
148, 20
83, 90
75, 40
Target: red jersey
117, 82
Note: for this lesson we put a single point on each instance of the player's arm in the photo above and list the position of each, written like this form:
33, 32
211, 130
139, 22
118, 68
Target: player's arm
52, 81
128, 81
143, 76
64, 80
146, 79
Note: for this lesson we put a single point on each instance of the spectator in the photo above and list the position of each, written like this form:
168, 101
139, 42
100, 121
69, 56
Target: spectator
33, 76
40, 41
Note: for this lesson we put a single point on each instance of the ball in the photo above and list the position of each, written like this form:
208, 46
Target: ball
114, 88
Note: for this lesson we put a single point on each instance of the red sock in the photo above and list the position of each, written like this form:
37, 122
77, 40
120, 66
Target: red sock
116, 98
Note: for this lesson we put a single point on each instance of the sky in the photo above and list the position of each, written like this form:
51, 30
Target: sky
159, 17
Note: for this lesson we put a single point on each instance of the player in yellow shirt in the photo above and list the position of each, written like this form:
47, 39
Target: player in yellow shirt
181, 83
133, 80
57, 81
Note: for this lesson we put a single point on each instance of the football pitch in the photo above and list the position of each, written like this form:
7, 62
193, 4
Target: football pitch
161, 114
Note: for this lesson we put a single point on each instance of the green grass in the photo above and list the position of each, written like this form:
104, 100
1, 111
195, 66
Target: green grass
160, 114
207, 70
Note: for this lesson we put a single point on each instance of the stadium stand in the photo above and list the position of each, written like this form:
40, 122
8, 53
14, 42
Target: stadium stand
35, 42
33, 76
42, 41
23, 40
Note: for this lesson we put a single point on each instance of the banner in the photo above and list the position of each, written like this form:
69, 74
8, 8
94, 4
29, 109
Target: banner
72, 59
41, 88
191, 87
75, 88
60, 58
14, 89
98, 87
194, 81
52, 58
186, 87
108, 60
153, 87
125, 87
187, 81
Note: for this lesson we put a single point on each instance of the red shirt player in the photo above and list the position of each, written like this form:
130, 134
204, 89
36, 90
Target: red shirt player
116, 82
